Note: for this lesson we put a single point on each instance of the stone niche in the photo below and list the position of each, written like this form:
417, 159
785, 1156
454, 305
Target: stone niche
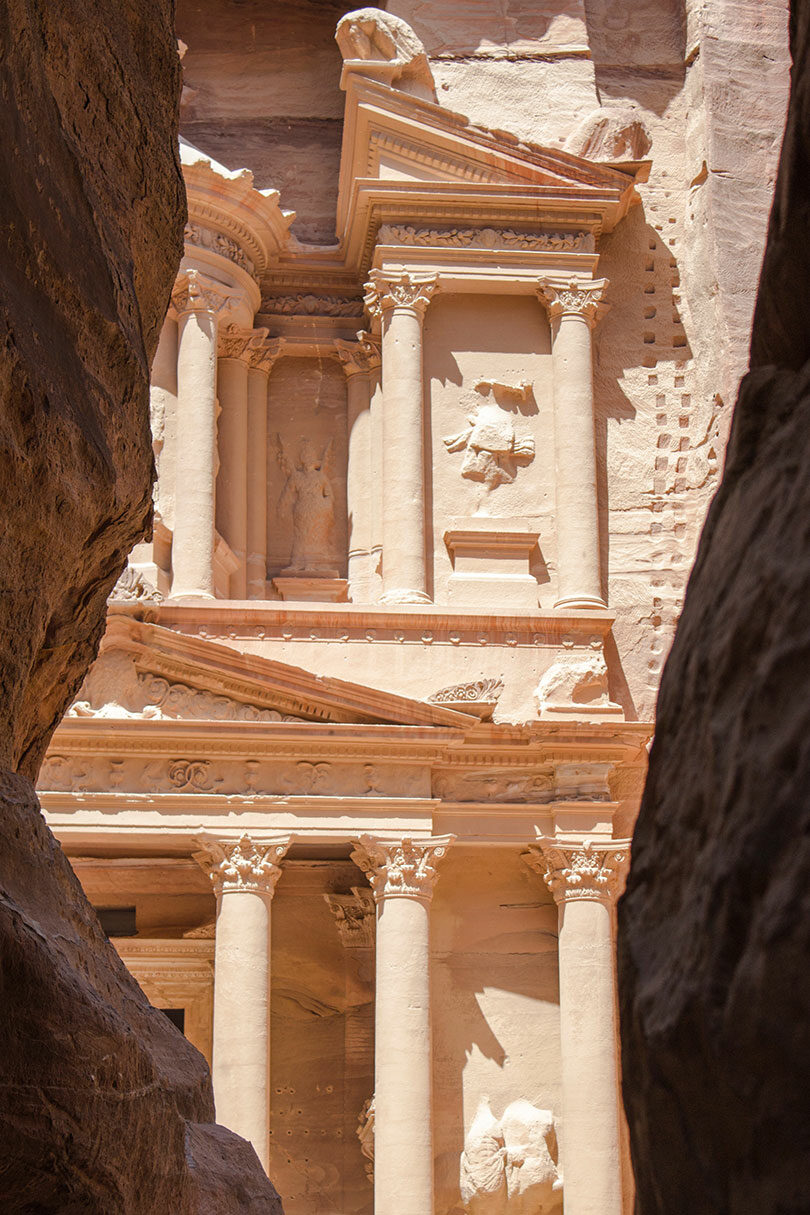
306, 479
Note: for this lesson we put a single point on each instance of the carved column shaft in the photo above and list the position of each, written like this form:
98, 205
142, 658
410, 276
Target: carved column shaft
244, 875
401, 301
585, 881
573, 313
261, 358
402, 877
197, 302
231, 502
361, 361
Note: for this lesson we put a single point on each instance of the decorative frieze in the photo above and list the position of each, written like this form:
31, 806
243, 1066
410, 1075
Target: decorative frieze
586, 870
485, 238
402, 867
243, 865
403, 290
311, 305
219, 243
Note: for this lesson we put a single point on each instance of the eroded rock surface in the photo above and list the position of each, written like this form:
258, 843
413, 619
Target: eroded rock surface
714, 930
105, 1108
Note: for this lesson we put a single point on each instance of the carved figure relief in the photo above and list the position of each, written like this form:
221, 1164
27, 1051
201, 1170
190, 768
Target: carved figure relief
365, 1133
575, 679
529, 788
485, 238
493, 451
511, 1164
308, 498
390, 48
132, 587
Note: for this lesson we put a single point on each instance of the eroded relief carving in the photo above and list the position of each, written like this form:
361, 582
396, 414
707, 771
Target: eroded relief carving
308, 498
511, 1164
575, 679
311, 305
365, 1133
384, 46
493, 450
485, 238
115, 689
528, 788
194, 775
133, 587
355, 915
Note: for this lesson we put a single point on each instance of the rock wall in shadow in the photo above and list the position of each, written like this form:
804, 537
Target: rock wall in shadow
104, 1107
714, 929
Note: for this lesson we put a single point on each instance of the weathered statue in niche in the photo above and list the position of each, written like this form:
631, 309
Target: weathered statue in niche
493, 451
308, 497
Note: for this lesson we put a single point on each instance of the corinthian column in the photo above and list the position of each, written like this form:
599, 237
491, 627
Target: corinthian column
244, 875
402, 877
573, 310
198, 302
401, 300
261, 356
361, 361
586, 879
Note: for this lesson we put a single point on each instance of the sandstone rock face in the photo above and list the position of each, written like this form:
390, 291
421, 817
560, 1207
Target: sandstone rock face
713, 929
105, 1107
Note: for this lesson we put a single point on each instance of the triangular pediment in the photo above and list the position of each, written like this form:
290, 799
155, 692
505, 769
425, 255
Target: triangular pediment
147, 672
391, 136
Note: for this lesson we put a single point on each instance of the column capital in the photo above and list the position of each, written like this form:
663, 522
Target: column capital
244, 864
584, 869
195, 292
263, 352
403, 867
577, 297
399, 289
360, 357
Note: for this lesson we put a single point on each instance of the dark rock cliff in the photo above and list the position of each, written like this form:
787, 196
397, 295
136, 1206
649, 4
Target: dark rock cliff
104, 1107
714, 929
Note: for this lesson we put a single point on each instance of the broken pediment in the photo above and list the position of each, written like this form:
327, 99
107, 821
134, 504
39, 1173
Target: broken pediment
151, 673
393, 141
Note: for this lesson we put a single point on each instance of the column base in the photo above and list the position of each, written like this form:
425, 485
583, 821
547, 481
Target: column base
583, 602
405, 596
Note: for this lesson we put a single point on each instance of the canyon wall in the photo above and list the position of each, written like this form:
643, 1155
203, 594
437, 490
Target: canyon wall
713, 928
106, 1108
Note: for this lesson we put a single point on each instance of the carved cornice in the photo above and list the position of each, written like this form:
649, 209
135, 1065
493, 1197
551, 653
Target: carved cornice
575, 298
401, 290
586, 870
360, 357
243, 864
195, 292
401, 868
355, 916
217, 242
485, 238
